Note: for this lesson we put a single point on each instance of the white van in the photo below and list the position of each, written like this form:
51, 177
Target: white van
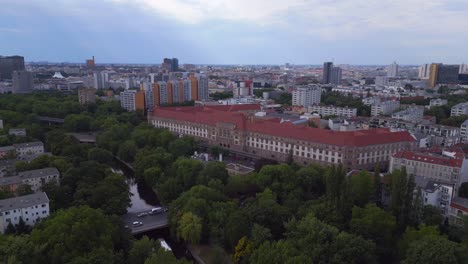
156, 210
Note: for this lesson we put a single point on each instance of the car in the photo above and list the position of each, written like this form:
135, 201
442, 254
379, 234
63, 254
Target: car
156, 210
142, 214
137, 223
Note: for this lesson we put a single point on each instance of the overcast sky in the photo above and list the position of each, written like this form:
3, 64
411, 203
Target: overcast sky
236, 31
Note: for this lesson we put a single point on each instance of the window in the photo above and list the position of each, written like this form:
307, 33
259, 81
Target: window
43, 205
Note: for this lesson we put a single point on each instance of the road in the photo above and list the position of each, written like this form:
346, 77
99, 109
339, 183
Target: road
150, 222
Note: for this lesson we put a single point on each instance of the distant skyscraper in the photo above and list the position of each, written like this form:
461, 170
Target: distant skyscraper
392, 70
327, 72
381, 80
448, 74
463, 68
425, 71
10, 64
174, 64
90, 64
167, 64
22, 82
336, 76
98, 80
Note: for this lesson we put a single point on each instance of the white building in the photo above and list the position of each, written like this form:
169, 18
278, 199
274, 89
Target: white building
332, 110
459, 109
37, 178
127, 100
384, 108
458, 210
31, 208
29, 148
410, 114
446, 166
392, 70
437, 194
371, 100
464, 131
463, 68
425, 71
381, 80
438, 102
306, 96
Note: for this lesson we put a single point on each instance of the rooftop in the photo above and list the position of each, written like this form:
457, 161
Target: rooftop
23, 201
433, 156
28, 144
212, 115
460, 203
38, 173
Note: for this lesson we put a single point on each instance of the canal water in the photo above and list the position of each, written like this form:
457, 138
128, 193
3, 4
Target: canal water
143, 198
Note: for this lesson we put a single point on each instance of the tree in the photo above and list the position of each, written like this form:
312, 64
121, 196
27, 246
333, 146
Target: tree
163, 257
182, 147
412, 235
463, 190
431, 249
259, 234
153, 175
24, 189
111, 195
213, 170
77, 123
431, 215
100, 155
141, 250
416, 213
362, 188
189, 228
375, 224
402, 196
77, 231
127, 151
242, 250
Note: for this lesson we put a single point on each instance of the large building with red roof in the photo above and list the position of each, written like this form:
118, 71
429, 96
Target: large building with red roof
444, 165
234, 127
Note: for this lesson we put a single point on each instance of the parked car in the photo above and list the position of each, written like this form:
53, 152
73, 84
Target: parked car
137, 223
142, 214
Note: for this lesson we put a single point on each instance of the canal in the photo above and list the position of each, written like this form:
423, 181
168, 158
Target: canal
143, 198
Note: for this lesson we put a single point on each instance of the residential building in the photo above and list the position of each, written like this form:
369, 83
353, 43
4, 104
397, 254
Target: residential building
371, 100
306, 96
7, 151
336, 76
327, 72
30, 148
23, 82
381, 80
90, 63
384, 108
10, 64
463, 68
458, 210
392, 70
132, 100
87, 95
414, 114
447, 166
425, 71
34, 178
31, 208
438, 102
435, 193
235, 127
459, 109
332, 110
464, 131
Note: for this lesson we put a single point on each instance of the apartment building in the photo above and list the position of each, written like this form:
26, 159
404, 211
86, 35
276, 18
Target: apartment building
34, 178
458, 210
234, 128
414, 114
446, 166
384, 108
332, 110
434, 193
87, 95
306, 96
31, 208
132, 100
464, 131
371, 100
459, 109
29, 148
437, 102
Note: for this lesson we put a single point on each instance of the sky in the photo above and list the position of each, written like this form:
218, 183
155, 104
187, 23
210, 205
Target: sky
365, 32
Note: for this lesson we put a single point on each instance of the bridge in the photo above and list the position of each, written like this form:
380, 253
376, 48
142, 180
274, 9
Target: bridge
51, 119
150, 222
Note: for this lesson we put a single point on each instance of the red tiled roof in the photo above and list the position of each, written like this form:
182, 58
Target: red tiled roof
428, 156
210, 115
458, 206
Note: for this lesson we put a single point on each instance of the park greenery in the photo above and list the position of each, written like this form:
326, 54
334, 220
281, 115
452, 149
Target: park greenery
280, 213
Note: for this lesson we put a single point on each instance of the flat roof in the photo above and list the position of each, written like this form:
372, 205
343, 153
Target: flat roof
239, 168
23, 201
38, 173
28, 144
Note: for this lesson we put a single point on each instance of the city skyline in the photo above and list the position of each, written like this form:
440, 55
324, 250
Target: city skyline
254, 32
